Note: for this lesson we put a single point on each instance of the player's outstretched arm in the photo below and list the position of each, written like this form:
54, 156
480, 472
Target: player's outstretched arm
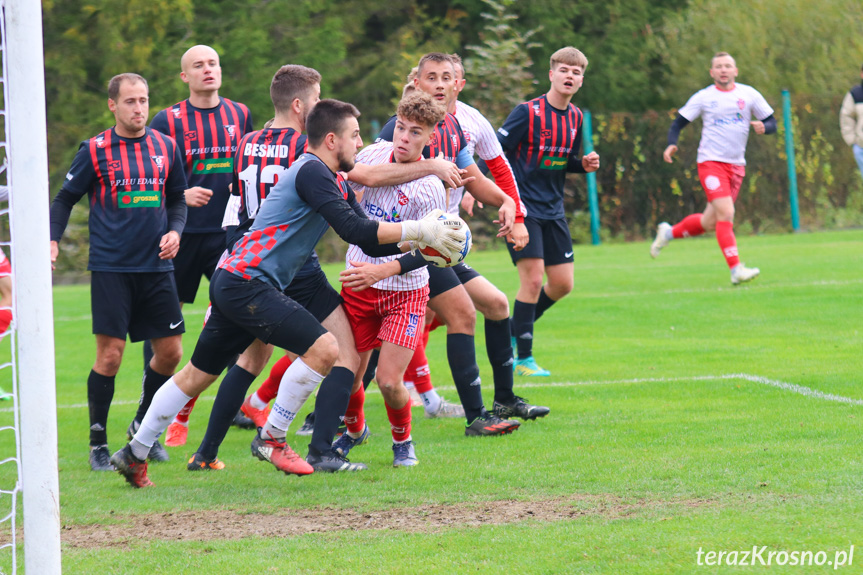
393, 174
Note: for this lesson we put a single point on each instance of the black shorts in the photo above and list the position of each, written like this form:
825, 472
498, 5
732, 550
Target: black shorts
441, 280
142, 305
198, 256
315, 293
243, 310
549, 240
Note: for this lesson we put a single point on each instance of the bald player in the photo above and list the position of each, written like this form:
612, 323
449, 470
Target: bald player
207, 128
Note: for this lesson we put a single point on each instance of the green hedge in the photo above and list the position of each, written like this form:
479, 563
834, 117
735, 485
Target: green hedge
637, 189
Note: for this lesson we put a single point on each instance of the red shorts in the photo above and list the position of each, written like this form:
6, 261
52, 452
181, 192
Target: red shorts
721, 180
383, 315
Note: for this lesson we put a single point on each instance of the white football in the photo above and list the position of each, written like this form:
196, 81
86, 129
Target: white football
440, 260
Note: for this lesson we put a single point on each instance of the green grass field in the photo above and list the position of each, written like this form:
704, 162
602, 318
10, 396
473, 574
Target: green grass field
686, 415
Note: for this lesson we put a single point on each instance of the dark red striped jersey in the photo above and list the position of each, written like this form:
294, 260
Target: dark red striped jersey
542, 144
448, 139
262, 158
134, 186
208, 141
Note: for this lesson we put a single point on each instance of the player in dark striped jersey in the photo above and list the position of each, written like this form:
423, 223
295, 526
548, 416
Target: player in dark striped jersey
542, 139
207, 128
486, 297
133, 177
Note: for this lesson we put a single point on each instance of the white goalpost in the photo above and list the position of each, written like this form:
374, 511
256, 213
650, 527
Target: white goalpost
33, 360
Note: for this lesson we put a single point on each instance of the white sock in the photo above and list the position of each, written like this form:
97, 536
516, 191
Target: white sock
166, 404
296, 386
431, 401
669, 234
409, 384
257, 402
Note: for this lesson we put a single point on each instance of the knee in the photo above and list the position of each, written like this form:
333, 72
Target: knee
388, 385
498, 308
168, 357
326, 350
108, 364
349, 358
532, 284
255, 359
462, 319
559, 288
725, 216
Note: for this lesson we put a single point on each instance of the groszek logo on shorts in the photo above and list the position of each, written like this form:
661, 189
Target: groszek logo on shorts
549, 163
139, 199
213, 166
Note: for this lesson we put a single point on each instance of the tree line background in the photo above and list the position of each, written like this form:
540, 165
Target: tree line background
646, 58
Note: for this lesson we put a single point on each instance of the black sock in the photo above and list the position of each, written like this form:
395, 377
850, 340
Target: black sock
148, 352
330, 406
100, 393
499, 348
371, 368
543, 304
149, 386
229, 399
523, 315
461, 353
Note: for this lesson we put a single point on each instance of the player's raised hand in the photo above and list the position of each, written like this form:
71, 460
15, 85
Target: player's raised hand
669, 152
197, 196
757, 126
590, 162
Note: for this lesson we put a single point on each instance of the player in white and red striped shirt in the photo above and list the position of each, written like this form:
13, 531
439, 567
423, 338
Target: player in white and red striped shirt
728, 110
390, 314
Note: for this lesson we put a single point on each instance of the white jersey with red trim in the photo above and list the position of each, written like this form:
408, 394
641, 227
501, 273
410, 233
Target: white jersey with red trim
481, 140
726, 116
404, 202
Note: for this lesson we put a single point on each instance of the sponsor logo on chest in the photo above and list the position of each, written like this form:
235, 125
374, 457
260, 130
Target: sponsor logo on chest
549, 163
139, 199
213, 166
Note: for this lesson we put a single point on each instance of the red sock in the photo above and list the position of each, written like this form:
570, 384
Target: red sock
5, 319
400, 421
355, 417
727, 242
183, 416
688, 227
270, 388
418, 369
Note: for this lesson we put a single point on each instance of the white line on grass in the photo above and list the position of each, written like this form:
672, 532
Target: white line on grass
755, 286
792, 387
